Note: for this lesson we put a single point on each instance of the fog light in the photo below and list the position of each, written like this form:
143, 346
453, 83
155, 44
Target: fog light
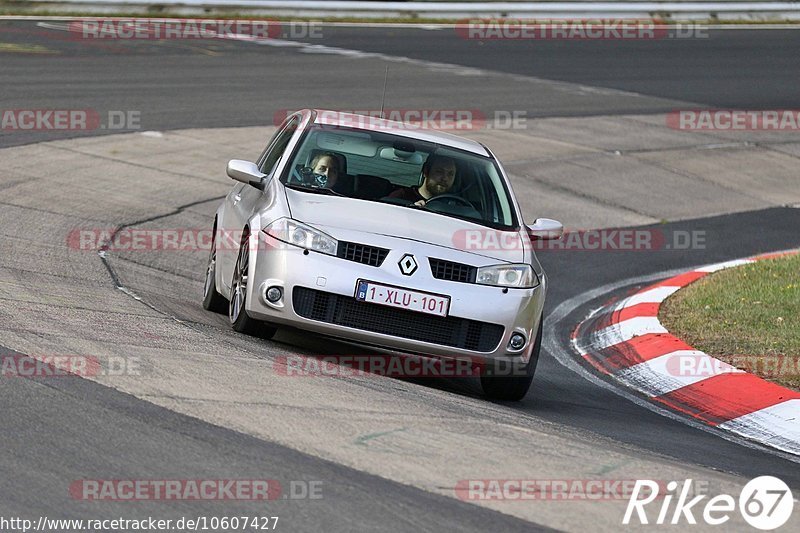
517, 341
274, 294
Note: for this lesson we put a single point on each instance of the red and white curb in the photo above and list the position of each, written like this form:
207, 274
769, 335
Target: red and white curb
627, 342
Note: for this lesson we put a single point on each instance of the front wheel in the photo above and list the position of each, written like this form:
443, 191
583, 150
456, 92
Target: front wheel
514, 388
237, 314
213, 300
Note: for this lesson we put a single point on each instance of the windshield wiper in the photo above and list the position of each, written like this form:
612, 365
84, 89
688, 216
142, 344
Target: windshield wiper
465, 218
317, 190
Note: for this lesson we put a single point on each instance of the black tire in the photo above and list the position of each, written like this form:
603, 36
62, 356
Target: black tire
513, 388
237, 312
213, 300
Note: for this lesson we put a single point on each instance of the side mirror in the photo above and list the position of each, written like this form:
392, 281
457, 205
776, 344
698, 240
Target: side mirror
246, 172
545, 229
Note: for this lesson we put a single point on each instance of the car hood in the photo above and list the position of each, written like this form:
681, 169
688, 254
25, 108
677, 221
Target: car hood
330, 213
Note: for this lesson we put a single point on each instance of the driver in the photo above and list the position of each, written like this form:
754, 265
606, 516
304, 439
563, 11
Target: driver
326, 164
439, 173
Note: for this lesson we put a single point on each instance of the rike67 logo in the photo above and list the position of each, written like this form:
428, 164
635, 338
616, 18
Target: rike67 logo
765, 503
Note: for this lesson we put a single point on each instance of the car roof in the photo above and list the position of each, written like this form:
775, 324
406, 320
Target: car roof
411, 131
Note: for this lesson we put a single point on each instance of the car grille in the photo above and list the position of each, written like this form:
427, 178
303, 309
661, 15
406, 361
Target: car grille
347, 311
362, 253
450, 271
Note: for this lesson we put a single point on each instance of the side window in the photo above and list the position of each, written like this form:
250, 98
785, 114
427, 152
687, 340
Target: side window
278, 145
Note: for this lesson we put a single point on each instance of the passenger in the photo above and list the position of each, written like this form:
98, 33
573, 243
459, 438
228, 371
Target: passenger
438, 172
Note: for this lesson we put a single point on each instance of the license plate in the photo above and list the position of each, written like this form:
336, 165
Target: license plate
421, 302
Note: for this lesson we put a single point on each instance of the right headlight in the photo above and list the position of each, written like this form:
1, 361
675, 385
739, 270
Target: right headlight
518, 275
301, 235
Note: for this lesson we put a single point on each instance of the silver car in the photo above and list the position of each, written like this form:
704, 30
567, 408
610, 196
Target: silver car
355, 254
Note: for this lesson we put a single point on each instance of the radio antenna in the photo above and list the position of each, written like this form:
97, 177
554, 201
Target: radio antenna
383, 97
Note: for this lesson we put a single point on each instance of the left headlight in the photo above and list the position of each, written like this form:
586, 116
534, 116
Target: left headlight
299, 234
519, 276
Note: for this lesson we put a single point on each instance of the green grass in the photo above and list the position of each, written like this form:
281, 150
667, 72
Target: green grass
751, 310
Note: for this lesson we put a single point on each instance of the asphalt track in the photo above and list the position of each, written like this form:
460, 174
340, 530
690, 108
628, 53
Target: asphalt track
61, 430
188, 84
718, 68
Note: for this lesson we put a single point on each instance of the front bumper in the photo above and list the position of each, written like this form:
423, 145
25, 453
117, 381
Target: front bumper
276, 264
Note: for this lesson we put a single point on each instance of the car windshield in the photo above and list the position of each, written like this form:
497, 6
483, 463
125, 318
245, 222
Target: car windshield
381, 167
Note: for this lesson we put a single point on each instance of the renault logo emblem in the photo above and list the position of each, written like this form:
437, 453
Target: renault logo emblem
408, 265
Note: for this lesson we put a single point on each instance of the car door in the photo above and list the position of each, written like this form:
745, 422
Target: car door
243, 200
